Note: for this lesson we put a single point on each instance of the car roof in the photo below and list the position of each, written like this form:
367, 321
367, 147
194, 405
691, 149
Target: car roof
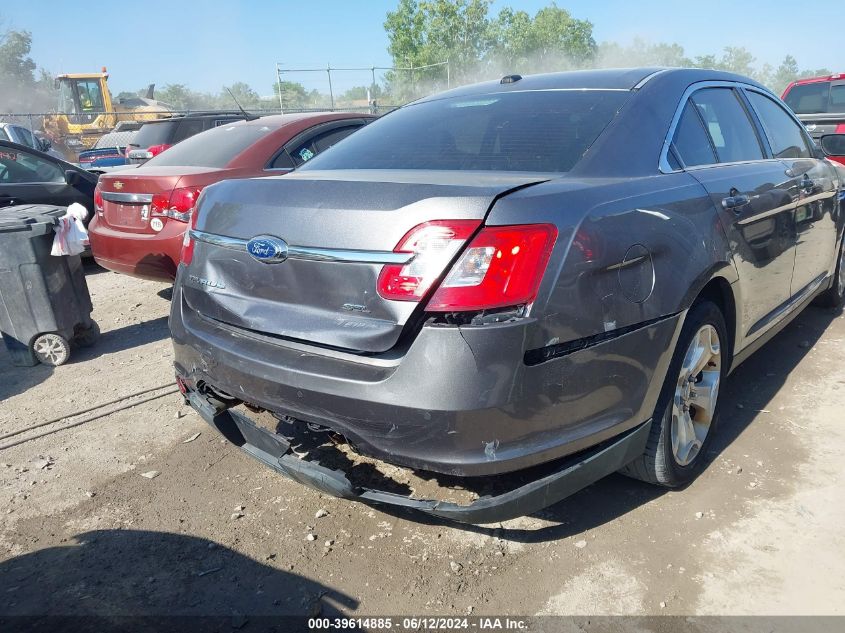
602, 79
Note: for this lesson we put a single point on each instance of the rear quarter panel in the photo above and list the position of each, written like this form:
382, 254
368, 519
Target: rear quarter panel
665, 224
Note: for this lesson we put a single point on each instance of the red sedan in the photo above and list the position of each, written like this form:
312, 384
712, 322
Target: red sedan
142, 213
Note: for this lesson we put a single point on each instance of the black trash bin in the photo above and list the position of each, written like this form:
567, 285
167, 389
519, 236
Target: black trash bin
44, 300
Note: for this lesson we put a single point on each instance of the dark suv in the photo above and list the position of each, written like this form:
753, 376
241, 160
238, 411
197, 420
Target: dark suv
156, 136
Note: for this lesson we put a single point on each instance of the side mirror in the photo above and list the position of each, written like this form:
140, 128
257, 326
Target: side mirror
833, 144
72, 177
45, 144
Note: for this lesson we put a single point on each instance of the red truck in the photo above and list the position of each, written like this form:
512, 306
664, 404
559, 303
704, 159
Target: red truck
820, 104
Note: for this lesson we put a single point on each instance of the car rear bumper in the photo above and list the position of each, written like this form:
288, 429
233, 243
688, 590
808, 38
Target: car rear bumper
568, 477
145, 255
458, 400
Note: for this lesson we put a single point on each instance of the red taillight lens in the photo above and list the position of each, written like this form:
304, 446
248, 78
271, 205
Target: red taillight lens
98, 199
178, 205
840, 129
502, 266
434, 245
155, 150
187, 254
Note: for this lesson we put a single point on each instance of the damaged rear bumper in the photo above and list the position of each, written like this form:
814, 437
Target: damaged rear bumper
571, 475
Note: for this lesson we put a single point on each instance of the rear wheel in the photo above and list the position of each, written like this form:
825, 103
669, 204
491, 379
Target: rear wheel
834, 296
88, 336
683, 423
51, 349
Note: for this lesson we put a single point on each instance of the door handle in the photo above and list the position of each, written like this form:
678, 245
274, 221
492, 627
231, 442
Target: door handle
736, 203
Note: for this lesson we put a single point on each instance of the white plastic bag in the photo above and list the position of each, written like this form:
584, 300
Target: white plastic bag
71, 237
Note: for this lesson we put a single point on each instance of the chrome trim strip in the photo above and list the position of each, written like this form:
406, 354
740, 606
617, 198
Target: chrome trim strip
311, 253
131, 198
648, 78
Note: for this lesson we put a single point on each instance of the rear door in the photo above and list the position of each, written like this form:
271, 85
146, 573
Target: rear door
717, 142
812, 188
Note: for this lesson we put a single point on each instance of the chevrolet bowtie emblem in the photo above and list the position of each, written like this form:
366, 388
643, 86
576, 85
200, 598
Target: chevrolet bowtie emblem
118, 185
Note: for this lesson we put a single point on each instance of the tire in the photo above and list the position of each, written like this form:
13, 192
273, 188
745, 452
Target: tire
665, 462
89, 336
51, 349
834, 296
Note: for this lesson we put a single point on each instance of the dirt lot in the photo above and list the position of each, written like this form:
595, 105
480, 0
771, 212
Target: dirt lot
84, 531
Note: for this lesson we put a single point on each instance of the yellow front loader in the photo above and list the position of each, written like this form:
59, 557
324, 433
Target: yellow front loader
86, 111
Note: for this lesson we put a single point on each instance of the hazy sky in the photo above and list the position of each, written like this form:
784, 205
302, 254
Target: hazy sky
208, 43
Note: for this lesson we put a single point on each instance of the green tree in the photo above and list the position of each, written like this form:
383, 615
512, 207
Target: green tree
431, 32
239, 93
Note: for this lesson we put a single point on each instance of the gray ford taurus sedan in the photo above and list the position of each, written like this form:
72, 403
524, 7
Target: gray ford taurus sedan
522, 286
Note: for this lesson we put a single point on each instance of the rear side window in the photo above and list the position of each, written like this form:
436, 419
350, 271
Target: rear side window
784, 133
214, 148
523, 131
691, 141
728, 125
154, 134
308, 149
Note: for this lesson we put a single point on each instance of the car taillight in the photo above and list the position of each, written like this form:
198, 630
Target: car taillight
840, 129
433, 245
187, 254
502, 266
155, 150
178, 205
98, 199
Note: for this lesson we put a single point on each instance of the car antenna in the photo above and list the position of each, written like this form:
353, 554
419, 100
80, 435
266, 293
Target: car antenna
247, 115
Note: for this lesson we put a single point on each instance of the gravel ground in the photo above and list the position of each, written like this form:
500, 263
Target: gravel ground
145, 510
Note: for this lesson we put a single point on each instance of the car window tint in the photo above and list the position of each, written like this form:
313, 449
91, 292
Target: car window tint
326, 140
808, 98
728, 125
784, 133
154, 134
215, 147
523, 131
3, 135
837, 98
25, 136
23, 167
309, 148
282, 161
188, 128
691, 141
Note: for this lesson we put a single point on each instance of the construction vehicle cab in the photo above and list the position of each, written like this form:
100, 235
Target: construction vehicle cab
84, 97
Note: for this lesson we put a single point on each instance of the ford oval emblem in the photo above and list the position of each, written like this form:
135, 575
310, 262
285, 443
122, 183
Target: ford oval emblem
267, 249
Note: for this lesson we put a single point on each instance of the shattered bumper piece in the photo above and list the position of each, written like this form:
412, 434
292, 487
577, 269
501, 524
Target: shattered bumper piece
574, 473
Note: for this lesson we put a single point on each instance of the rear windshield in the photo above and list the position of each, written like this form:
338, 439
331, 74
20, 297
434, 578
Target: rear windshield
213, 148
537, 131
817, 97
155, 134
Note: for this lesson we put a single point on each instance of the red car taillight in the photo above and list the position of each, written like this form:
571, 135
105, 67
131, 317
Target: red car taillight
178, 205
187, 254
434, 245
502, 266
98, 199
155, 150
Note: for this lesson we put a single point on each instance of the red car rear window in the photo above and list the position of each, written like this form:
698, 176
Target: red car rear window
213, 148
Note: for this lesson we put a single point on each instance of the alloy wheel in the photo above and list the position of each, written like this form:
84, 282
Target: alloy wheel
696, 393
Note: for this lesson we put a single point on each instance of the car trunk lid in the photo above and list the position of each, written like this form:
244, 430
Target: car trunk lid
128, 196
340, 228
